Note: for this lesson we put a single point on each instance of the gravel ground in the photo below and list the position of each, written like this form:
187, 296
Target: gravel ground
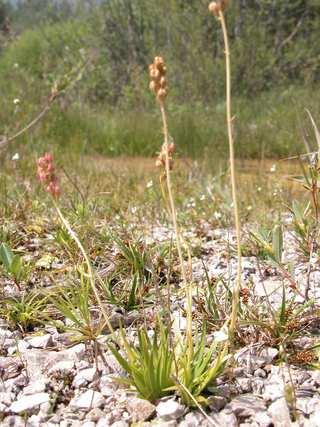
45, 380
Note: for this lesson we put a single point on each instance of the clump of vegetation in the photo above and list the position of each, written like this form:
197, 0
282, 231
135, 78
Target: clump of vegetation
172, 326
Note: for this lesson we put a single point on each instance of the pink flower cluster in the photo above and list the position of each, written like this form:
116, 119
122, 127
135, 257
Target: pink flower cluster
46, 175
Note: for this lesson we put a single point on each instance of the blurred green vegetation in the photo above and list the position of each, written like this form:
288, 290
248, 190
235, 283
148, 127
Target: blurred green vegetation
275, 62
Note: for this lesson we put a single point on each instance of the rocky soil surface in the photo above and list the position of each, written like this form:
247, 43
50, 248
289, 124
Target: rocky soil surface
46, 380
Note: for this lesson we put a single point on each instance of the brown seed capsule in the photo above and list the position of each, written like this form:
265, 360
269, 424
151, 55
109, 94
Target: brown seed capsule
155, 74
159, 62
159, 163
154, 86
215, 8
163, 82
162, 94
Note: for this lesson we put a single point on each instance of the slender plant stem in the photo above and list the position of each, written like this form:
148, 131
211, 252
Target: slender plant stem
88, 262
236, 289
187, 285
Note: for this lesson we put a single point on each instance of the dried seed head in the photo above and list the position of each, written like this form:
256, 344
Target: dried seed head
159, 63
158, 84
46, 175
216, 7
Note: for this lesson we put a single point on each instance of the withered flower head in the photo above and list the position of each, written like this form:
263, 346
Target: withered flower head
158, 83
46, 175
216, 7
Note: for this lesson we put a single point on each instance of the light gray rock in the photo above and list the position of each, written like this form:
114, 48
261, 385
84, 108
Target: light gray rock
39, 362
104, 421
225, 418
3, 408
263, 419
21, 347
246, 406
170, 409
87, 400
194, 419
38, 386
6, 398
84, 377
95, 414
245, 384
254, 357
26, 403
279, 413
76, 352
120, 424
273, 388
41, 341
140, 409
5, 333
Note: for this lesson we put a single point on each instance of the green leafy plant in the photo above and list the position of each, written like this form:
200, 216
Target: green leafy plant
196, 373
73, 302
26, 311
13, 263
269, 243
303, 225
129, 294
149, 364
278, 327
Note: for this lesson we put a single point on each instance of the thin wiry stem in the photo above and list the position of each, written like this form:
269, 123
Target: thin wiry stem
91, 274
187, 286
236, 289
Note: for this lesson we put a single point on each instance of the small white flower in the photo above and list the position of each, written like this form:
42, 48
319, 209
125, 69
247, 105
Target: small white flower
273, 168
134, 209
150, 184
202, 197
15, 157
249, 208
15, 65
259, 189
16, 101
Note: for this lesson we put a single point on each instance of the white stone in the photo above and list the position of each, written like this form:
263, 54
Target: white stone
279, 413
41, 341
120, 424
170, 410
6, 398
87, 400
28, 402
35, 387
83, 377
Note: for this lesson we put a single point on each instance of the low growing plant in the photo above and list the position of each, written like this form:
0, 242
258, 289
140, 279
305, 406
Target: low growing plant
13, 264
149, 364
